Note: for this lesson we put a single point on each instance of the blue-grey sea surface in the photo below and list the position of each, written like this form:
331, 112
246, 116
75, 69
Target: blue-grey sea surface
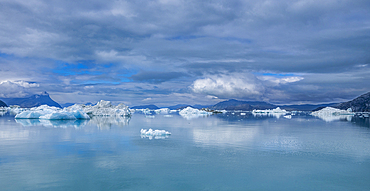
219, 152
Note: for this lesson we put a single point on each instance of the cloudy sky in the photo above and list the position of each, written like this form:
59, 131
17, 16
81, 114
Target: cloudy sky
185, 51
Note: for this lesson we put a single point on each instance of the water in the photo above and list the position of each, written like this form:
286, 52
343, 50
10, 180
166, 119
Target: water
220, 152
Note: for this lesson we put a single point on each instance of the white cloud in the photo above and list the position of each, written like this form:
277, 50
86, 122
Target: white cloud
235, 85
88, 87
284, 80
211, 97
147, 99
13, 89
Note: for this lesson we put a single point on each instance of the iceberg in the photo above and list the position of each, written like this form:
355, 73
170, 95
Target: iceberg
144, 111
105, 108
52, 113
162, 111
156, 134
191, 113
277, 112
330, 114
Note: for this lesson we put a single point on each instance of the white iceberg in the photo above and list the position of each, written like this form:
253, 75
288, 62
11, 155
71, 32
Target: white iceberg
144, 111
162, 111
156, 134
330, 114
277, 112
191, 113
287, 116
52, 113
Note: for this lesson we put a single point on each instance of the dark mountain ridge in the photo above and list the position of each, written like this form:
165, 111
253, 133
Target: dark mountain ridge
145, 107
32, 101
359, 104
233, 104
2, 104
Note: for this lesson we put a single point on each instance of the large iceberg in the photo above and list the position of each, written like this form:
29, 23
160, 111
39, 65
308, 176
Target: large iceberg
77, 111
47, 112
105, 108
191, 113
331, 114
156, 134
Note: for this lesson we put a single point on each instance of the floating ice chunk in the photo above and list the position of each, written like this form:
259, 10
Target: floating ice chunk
242, 113
157, 134
331, 114
29, 115
47, 112
277, 112
103, 108
191, 113
167, 115
144, 111
287, 116
162, 111
59, 116
80, 114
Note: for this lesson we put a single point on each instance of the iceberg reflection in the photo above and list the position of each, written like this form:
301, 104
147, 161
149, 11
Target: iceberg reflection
106, 122
52, 123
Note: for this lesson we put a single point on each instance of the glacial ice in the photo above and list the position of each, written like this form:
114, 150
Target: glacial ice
156, 134
47, 112
77, 111
277, 112
191, 113
105, 108
162, 111
331, 114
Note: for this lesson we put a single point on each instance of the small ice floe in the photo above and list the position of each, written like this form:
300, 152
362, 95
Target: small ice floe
330, 114
277, 112
156, 134
162, 111
167, 115
191, 113
287, 116
242, 113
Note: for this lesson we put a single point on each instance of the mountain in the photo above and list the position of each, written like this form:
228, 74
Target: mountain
359, 104
201, 106
32, 101
233, 104
178, 106
67, 104
307, 107
145, 107
2, 104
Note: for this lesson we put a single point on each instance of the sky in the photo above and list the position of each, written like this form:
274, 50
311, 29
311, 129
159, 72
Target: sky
168, 52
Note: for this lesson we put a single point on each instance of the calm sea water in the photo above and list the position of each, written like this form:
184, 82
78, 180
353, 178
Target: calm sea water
220, 152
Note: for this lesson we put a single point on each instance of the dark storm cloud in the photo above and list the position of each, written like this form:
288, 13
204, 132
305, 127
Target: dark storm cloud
130, 46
